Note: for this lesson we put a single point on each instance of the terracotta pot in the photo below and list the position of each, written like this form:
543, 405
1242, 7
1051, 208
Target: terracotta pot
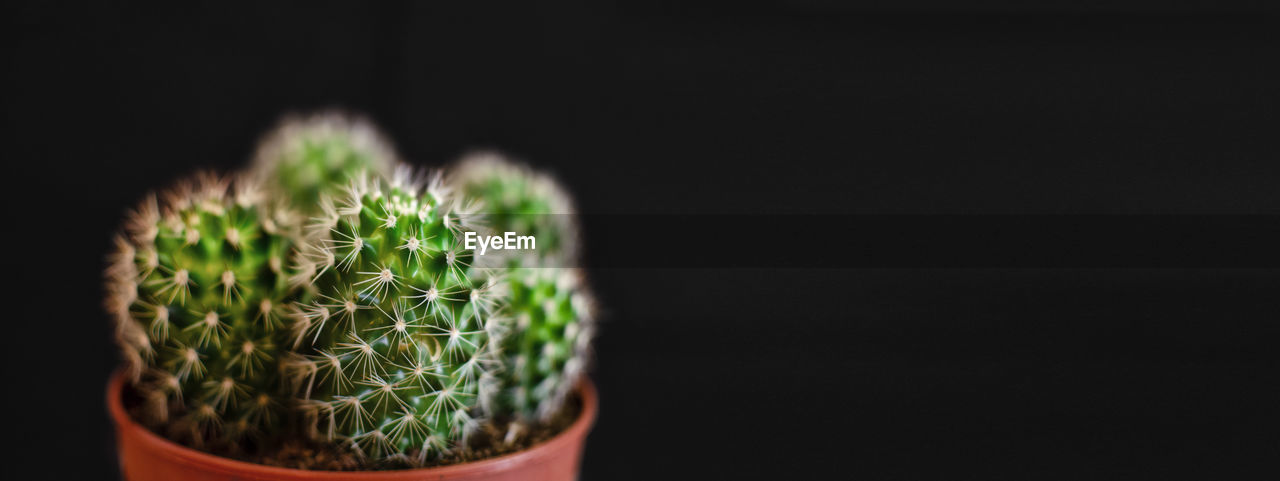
145, 456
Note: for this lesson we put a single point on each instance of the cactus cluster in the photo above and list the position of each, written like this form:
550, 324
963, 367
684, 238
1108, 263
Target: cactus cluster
198, 288
362, 322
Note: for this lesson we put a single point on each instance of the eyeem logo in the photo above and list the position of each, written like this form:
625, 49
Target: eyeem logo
507, 241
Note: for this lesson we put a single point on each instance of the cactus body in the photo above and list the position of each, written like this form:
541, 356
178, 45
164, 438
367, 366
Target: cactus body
198, 286
516, 198
305, 158
545, 347
394, 343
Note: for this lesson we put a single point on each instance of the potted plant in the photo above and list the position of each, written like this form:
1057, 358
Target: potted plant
325, 312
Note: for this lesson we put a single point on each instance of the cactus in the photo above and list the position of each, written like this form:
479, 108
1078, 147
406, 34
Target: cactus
392, 347
375, 328
516, 198
198, 285
546, 345
305, 158
545, 349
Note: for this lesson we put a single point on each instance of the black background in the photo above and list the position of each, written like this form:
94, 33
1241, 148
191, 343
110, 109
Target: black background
802, 107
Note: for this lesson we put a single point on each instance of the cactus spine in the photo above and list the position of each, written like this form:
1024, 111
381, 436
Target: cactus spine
198, 285
306, 158
394, 343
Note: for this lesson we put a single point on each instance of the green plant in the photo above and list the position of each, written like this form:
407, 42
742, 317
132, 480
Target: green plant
546, 348
394, 343
198, 285
373, 326
305, 158
550, 317
517, 198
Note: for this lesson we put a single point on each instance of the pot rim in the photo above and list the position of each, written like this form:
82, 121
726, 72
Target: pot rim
537, 454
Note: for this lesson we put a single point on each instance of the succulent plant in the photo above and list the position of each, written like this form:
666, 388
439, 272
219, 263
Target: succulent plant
394, 343
550, 317
546, 347
516, 198
198, 286
306, 157
374, 326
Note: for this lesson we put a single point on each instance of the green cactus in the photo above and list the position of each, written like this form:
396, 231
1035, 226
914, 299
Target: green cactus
376, 328
392, 347
305, 158
198, 286
516, 198
545, 350
545, 347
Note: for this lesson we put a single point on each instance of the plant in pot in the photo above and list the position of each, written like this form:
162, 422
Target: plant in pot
361, 335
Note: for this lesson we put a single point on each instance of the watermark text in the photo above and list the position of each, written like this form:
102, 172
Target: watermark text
506, 241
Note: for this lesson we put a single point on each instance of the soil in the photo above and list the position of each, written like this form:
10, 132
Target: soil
311, 455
